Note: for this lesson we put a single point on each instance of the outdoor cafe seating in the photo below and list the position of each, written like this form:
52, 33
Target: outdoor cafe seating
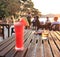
5, 30
55, 27
34, 45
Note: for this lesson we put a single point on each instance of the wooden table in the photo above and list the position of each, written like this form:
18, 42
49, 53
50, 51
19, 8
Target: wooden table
7, 26
34, 46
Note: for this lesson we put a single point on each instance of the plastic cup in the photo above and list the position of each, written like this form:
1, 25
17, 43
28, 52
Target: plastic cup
44, 34
19, 33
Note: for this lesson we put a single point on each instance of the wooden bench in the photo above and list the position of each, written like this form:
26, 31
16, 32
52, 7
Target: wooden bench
2, 29
34, 46
51, 46
7, 47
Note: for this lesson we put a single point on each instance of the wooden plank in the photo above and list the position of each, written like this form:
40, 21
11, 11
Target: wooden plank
53, 36
47, 49
6, 40
31, 49
4, 51
39, 48
22, 54
58, 35
57, 42
58, 32
49, 37
13, 52
27, 34
54, 49
6, 44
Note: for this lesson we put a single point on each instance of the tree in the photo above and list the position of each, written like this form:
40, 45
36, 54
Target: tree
13, 7
2, 8
27, 6
9, 7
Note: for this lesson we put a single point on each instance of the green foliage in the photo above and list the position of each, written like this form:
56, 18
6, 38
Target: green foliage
3, 10
9, 7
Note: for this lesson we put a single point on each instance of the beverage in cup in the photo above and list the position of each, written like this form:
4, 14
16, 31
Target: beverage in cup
45, 34
19, 33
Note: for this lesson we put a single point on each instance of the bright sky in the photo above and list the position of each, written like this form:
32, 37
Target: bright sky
47, 6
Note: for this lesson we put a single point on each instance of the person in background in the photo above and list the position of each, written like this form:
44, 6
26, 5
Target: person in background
33, 22
55, 25
47, 23
29, 19
37, 22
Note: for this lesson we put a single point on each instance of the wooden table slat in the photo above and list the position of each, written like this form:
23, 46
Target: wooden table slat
34, 45
21, 54
31, 49
6, 44
4, 51
27, 34
13, 51
47, 49
57, 42
6, 40
52, 35
55, 51
58, 32
39, 48
57, 35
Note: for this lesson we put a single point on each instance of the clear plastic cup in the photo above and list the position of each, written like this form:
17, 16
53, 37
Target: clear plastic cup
19, 33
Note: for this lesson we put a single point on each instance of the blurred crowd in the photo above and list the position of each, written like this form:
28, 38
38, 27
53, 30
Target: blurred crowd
35, 23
